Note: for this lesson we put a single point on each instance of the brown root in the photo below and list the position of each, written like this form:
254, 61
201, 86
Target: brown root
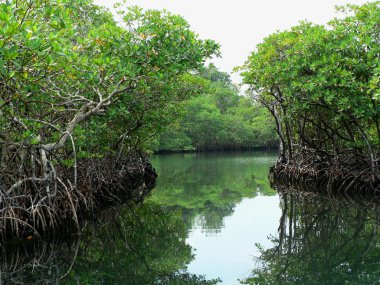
346, 174
38, 206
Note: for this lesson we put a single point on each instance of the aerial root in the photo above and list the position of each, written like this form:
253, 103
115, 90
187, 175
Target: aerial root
346, 174
27, 208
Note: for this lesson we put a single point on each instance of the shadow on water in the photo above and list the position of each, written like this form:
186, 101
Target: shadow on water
322, 240
141, 244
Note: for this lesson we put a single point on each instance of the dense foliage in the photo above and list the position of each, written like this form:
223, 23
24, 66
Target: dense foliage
218, 119
76, 83
321, 84
69, 71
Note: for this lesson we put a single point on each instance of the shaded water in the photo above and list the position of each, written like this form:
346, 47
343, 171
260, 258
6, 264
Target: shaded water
213, 219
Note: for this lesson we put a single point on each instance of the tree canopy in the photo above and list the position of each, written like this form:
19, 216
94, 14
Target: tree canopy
321, 84
74, 82
64, 63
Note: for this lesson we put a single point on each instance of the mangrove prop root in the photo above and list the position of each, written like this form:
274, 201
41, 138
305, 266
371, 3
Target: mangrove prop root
37, 206
347, 174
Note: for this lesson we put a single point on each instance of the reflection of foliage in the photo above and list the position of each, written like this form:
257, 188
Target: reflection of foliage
135, 245
322, 241
210, 184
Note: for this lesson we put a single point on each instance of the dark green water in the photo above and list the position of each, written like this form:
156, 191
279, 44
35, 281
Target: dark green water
213, 219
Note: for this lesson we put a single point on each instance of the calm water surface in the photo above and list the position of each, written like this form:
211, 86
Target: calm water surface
213, 219
227, 206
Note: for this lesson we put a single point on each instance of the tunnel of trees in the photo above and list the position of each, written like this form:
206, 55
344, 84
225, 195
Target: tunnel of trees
321, 85
82, 92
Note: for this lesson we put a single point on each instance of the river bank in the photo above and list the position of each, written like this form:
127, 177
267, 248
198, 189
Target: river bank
347, 174
189, 231
41, 209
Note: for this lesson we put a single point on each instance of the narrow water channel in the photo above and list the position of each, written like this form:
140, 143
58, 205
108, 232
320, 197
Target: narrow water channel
213, 219
227, 205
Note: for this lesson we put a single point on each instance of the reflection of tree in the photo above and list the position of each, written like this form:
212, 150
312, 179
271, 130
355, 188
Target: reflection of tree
136, 245
206, 187
322, 241
37, 262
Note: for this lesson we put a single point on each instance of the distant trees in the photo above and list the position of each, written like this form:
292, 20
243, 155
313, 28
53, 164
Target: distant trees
218, 119
321, 85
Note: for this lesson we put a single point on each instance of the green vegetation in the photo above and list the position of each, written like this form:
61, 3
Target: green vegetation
52, 57
75, 83
219, 119
321, 85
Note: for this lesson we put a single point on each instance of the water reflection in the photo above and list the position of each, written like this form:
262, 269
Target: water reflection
207, 187
197, 196
322, 240
204, 218
226, 203
134, 245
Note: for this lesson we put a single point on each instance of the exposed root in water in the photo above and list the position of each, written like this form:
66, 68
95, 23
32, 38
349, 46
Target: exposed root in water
37, 206
346, 174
